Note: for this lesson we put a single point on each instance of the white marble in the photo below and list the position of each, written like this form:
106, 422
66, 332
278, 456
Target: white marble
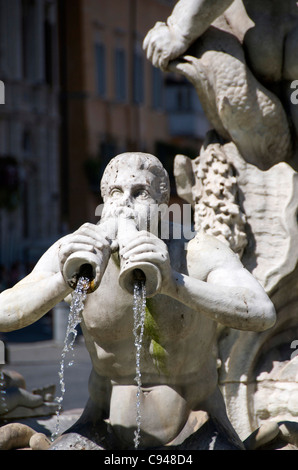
200, 286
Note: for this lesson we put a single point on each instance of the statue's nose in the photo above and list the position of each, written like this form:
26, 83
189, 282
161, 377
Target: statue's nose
126, 199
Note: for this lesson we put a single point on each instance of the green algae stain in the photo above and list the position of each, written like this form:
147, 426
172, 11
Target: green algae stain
152, 332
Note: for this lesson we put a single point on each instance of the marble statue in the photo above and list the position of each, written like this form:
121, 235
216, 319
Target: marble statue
241, 57
202, 284
17, 402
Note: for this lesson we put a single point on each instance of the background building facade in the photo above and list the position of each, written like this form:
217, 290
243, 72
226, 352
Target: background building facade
29, 130
78, 91
116, 101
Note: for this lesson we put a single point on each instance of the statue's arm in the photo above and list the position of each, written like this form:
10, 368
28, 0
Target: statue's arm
230, 295
188, 21
193, 17
44, 287
35, 295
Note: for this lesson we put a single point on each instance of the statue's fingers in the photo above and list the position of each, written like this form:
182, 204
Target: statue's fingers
79, 238
154, 258
92, 234
145, 247
140, 249
150, 50
163, 62
139, 241
156, 57
146, 41
74, 247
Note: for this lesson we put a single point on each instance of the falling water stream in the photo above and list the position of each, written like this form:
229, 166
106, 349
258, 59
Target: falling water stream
139, 308
74, 318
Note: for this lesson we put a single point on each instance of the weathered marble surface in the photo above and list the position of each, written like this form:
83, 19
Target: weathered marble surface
255, 367
238, 199
200, 286
241, 57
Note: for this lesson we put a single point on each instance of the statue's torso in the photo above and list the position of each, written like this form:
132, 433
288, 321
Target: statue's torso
174, 335
178, 343
178, 364
178, 359
268, 41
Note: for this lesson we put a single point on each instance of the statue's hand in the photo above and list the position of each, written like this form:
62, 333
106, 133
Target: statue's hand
163, 43
90, 238
147, 247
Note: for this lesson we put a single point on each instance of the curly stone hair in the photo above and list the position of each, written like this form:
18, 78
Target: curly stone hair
142, 161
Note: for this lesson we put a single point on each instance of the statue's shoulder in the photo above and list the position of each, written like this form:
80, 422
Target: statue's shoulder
209, 252
203, 240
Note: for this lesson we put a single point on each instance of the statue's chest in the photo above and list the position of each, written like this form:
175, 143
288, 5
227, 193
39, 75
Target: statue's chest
109, 312
112, 317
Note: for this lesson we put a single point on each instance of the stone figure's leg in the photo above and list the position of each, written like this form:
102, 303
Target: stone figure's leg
91, 431
210, 436
208, 428
216, 409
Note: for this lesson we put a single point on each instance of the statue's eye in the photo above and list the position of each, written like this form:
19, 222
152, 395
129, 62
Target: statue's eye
142, 194
115, 192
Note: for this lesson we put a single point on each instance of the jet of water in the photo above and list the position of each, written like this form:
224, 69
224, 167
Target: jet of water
139, 309
74, 318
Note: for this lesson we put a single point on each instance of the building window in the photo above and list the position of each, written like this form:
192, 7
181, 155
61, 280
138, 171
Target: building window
29, 39
48, 47
100, 69
138, 78
120, 75
180, 96
157, 89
